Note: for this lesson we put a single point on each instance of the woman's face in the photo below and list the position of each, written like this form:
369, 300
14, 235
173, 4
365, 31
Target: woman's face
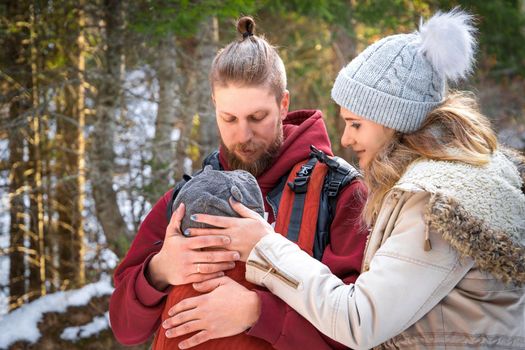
365, 137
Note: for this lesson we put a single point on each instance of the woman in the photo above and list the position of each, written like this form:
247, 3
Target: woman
444, 264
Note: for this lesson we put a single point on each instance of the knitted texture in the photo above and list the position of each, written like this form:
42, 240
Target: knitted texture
209, 192
390, 83
398, 80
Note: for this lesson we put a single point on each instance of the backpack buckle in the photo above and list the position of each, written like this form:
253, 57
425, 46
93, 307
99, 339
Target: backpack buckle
299, 184
333, 188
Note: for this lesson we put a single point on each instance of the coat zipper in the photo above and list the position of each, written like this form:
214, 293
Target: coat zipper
270, 269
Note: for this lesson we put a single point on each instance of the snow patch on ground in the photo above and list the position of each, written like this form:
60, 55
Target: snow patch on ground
22, 323
96, 326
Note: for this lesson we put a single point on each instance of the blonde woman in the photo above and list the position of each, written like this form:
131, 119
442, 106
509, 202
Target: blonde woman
444, 265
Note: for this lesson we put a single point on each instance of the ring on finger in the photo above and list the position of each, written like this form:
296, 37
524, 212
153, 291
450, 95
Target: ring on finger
198, 268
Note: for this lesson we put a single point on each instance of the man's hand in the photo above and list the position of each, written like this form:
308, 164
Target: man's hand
181, 259
244, 232
227, 310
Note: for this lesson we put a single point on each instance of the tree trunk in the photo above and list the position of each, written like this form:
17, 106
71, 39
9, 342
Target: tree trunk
17, 209
185, 115
345, 47
37, 263
208, 38
163, 161
102, 155
20, 104
197, 115
71, 167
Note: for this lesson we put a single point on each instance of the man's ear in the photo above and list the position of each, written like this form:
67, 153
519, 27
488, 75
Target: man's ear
213, 99
285, 104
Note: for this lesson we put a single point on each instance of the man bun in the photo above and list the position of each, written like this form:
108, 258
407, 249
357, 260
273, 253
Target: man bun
246, 26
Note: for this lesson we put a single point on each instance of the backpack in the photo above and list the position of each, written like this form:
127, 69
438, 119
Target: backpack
306, 198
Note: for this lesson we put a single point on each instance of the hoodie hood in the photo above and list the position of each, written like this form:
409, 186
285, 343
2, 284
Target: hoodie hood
301, 129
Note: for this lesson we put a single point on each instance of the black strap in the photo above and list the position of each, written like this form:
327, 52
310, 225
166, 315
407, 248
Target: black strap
339, 174
299, 186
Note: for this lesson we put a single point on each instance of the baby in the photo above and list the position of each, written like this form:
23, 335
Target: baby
208, 193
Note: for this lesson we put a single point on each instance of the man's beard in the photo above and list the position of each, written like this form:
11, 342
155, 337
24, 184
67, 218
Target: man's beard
259, 165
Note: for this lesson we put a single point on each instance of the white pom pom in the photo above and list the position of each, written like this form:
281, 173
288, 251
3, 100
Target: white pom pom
448, 43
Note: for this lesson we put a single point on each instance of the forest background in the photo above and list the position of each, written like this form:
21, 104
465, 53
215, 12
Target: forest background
104, 104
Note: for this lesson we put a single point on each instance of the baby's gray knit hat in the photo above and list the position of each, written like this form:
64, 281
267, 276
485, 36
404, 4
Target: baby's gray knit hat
208, 193
399, 79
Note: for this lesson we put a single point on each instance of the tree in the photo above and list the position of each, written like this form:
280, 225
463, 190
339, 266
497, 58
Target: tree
108, 102
19, 101
70, 163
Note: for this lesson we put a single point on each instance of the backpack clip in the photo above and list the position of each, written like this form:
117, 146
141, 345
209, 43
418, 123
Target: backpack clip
300, 183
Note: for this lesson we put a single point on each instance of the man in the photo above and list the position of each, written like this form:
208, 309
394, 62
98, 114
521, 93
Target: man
258, 135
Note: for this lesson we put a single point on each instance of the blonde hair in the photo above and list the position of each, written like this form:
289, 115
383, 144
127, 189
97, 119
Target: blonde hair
454, 131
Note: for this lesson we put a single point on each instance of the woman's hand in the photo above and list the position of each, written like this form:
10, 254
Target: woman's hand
244, 232
229, 309
181, 259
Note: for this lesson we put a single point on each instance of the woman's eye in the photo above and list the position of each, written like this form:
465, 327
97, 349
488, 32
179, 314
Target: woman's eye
355, 125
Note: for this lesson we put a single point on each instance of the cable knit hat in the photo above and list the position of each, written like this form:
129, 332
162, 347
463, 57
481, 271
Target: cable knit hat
208, 193
398, 80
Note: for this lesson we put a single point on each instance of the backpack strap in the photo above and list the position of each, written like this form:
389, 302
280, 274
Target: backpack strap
299, 204
340, 174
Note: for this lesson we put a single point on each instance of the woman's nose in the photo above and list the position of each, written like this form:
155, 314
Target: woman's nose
346, 139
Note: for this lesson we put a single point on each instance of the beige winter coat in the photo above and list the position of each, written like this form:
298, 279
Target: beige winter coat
444, 267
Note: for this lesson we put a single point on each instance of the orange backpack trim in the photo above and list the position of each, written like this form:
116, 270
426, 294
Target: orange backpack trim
311, 206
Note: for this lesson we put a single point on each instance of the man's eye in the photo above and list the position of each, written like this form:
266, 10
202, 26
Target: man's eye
228, 119
258, 117
355, 125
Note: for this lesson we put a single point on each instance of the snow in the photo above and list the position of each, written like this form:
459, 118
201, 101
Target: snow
4, 274
22, 323
98, 324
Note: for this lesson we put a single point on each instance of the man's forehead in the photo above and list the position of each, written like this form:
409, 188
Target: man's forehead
244, 100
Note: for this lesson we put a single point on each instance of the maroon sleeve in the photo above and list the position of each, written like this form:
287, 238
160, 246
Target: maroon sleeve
282, 326
135, 306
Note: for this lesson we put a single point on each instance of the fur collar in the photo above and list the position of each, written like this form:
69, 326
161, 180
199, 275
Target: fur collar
480, 211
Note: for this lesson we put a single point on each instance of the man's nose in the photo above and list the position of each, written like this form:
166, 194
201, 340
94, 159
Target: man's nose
244, 132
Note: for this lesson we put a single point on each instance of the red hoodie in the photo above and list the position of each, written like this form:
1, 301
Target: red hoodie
136, 307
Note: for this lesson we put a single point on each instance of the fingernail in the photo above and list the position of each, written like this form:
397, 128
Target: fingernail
187, 232
220, 274
226, 240
236, 256
165, 324
182, 346
193, 217
168, 334
231, 265
233, 200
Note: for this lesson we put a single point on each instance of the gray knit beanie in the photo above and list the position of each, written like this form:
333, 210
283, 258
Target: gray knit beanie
208, 193
398, 80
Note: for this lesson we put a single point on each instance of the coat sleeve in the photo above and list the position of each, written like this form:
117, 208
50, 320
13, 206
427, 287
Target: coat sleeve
285, 328
135, 306
403, 283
